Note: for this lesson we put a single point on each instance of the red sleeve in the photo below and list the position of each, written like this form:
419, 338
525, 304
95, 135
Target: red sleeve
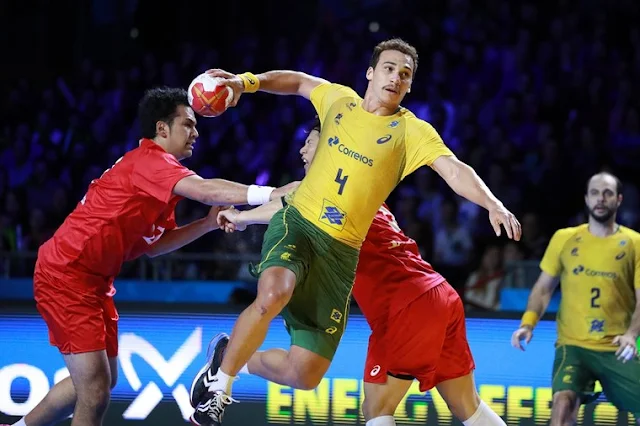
157, 174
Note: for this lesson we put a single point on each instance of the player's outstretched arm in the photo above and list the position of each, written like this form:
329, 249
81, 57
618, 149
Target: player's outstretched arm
217, 192
233, 220
536, 306
465, 182
177, 238
289, 83
277, 82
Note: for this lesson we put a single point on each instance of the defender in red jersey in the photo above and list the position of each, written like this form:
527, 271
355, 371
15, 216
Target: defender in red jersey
127, 212
417, 319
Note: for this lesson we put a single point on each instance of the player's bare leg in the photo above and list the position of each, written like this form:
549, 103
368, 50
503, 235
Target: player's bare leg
298, 367
60, 402
275, 288
564, 409
381, 400
463, 400
91, 377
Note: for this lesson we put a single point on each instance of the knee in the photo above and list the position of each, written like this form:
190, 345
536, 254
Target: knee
376, 407
465, 406
307, 382
563, 409
307, 371
114, 379
308, 377
274, 294
97, 393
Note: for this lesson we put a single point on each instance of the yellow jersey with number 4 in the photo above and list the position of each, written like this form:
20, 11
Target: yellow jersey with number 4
598, 278
360, 159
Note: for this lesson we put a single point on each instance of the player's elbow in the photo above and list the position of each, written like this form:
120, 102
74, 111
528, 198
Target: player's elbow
449, 168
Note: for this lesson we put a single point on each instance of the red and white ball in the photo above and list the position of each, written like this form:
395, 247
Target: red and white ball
208, 97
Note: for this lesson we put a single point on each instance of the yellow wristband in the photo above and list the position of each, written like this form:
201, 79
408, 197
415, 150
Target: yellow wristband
250, 81
529, 318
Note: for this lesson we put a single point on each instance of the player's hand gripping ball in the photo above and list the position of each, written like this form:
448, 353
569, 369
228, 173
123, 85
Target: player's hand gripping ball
208, 97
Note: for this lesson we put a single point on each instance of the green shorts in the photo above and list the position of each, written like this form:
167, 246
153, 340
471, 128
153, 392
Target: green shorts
577, 369
325, 269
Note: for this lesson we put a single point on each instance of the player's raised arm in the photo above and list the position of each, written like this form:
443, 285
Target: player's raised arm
466, 183
223, 192
277, 82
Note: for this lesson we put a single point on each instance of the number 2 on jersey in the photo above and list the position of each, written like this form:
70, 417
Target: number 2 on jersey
595, 295
342, 180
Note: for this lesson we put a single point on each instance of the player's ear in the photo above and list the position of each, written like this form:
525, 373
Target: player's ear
619, 199
162, 129
369, 73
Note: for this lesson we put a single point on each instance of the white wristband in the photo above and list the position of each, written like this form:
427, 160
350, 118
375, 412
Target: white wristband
258, 195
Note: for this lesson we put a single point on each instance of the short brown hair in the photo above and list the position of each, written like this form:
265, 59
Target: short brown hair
394, 44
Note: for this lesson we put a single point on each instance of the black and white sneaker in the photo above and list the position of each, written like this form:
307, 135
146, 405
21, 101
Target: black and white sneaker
207, 374
211, 412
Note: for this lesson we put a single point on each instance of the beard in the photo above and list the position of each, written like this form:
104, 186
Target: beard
603, 217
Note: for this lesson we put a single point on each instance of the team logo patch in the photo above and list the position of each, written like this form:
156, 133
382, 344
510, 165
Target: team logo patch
336, 315
332, 215
596, 325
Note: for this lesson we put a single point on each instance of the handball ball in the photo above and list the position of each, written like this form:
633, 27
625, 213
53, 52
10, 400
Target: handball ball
208, 97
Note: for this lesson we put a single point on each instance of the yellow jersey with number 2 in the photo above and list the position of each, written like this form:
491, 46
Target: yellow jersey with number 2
598, 278
360, 159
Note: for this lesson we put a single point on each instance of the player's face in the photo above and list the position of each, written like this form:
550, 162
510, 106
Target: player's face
308, 150
602, 198
183, 133
391, 78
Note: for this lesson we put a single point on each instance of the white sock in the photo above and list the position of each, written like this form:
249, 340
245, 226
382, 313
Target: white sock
20, 423
245, 369
382, 421
484, 416
223, 383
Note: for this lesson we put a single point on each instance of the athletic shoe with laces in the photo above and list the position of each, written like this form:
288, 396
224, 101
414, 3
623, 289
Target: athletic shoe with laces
211, 412
207, 374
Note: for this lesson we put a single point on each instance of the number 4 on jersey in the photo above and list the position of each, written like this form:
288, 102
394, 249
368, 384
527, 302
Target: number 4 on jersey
342, 180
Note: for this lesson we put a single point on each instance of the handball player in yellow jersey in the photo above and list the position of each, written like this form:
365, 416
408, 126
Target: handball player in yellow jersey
311, 247
598, 267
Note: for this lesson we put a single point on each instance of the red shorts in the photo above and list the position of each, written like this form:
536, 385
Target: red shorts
78, 321
426, 341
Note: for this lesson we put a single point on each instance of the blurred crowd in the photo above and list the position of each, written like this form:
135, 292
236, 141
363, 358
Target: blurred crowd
536, 96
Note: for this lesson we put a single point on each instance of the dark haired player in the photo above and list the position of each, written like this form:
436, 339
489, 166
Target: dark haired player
127, 212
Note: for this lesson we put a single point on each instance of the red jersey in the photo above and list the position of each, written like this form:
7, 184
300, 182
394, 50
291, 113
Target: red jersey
124, 211
391, 273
